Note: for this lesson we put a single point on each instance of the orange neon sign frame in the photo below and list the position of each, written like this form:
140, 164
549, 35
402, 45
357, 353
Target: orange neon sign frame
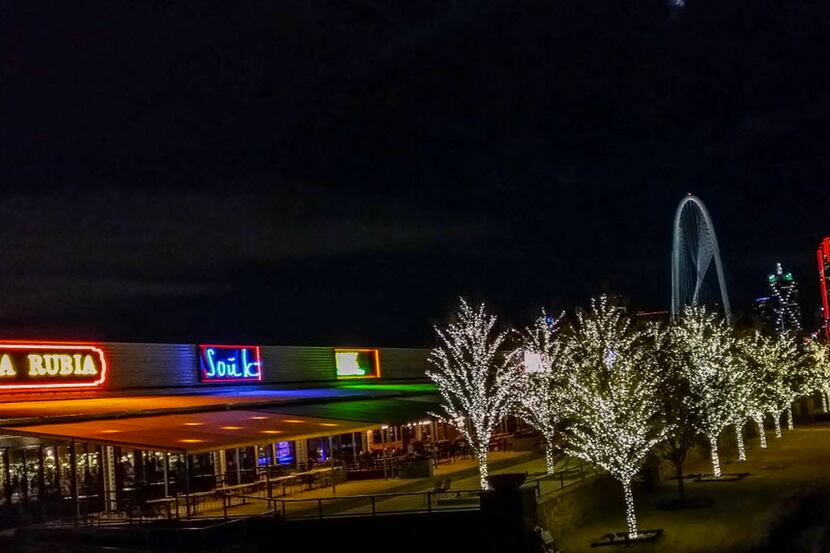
374, 355
41, 346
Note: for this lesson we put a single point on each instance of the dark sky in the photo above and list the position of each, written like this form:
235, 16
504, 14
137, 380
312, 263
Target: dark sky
339, 171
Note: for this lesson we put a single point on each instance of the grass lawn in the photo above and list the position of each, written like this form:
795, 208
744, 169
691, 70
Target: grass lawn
781, 502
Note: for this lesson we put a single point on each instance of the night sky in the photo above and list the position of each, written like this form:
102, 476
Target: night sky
333, 172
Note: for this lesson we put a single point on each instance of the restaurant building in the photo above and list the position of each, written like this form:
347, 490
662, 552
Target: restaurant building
96, 427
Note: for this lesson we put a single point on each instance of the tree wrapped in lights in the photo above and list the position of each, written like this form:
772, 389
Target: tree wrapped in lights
679, 412
741, 394
758, 352
543, 383
813, 370
476, 380
787, 360
705, 350
613, 390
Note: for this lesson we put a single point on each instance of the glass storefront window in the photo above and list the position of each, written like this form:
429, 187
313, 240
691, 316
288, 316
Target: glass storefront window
50, 471
4, 483
17, 470
264, 455
285, 453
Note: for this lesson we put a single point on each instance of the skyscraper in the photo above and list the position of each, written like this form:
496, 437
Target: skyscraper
786, 313
823, 255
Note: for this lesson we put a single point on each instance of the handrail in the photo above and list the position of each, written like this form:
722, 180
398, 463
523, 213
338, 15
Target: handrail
341, 498
277, 506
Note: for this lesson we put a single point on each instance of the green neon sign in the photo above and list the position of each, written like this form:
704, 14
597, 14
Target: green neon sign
357, 363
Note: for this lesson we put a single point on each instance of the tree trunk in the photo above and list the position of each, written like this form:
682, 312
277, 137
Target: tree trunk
776, 418
790, 425
482, 466
713, 443
762, 435
550, 461
681, 485
739, 440
630, 515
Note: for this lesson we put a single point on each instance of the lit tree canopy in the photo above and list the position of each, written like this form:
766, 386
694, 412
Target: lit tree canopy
704, 347
814, 369
542, 386
677, 409
758, 352
613, 406
476, 380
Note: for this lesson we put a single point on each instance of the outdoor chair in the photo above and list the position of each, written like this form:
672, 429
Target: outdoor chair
442, 487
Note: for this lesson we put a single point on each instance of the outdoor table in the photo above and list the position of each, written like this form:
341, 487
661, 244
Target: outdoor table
283, 481
309, 476
166, 502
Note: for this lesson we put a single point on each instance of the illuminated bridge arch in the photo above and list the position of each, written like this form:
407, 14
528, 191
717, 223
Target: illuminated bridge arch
694, 247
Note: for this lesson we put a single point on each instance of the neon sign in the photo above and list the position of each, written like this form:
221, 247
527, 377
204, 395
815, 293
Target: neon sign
32, 366
284, 454
229, 363
357, 363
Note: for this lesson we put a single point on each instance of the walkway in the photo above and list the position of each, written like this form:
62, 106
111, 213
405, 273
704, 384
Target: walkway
463, 473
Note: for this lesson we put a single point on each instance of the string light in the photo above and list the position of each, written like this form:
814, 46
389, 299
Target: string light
476, 381
814, 371
775, 363
613, 397
785, 311
705, 349
542, 384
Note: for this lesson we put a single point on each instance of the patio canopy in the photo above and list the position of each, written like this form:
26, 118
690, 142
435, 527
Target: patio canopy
195, 432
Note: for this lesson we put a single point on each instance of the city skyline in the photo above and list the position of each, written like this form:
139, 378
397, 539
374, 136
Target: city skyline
349, 187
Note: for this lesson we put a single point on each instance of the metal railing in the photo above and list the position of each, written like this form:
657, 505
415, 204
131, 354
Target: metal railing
262, 498
354, 505
562, 480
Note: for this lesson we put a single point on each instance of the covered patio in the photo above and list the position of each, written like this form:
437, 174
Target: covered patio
199, 461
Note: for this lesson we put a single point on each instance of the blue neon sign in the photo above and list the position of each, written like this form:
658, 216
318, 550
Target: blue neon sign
284, 454
229, 363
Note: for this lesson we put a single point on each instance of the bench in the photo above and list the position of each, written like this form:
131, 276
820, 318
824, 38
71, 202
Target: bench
623, 538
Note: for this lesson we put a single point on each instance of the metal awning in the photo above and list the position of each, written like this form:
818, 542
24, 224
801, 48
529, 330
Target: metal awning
195, 432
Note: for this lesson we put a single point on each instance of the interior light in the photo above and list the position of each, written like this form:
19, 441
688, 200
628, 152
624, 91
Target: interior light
271, 431
191, 441
194, 424
294, 421
231, 427
328, 424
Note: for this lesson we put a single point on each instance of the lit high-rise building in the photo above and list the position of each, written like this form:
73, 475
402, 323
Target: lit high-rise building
786, 313
823, 254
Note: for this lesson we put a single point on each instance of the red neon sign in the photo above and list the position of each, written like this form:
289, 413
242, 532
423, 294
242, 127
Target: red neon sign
823, 255
49, 365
